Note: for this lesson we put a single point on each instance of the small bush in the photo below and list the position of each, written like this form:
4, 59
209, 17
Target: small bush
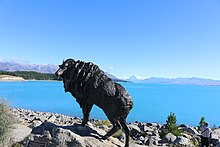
6, 121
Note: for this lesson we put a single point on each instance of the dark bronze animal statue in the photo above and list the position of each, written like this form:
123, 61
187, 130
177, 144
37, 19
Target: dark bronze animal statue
89, 85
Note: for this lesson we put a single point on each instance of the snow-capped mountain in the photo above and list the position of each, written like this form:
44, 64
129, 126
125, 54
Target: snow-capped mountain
51, 68
43, 68
193, 81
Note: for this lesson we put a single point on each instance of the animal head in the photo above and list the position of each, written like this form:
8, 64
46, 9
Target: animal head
64, 67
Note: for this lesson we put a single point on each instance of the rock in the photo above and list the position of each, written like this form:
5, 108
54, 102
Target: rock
149, 133
19, 132
75, 135
182, 141
47, 135
169, 138
187, 135
148, 129
189, 129
43, 127
139, 142
135, 130
65, 137
60, 130
217, 144
51, 118
141, 138
35, 123
216, 134
122, 137
153, 141
154, 125
104, 127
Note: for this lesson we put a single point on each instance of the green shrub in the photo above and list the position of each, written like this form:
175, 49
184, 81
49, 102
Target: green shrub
171, 126
201, 123
6, 121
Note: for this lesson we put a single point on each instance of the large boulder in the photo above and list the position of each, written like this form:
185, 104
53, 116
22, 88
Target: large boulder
19, 132
182, 141
189, 129
169, 138
216, 136
135, 130
216, 133
153, 141
75, 135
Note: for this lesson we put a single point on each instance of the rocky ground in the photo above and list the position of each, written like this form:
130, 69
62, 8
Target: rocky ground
34, 128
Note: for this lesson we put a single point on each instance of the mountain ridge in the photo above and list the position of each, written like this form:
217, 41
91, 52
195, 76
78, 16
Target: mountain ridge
41, 68
51, 68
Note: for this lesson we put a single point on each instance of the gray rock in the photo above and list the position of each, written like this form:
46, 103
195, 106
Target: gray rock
51, 118
153, 125
182, 141
141, 138
149, 133
170, 138
43, 127
217, 144
135, 130
104, 127
153, 141
216, 134
148, 129
35, 123
189, 129
68, 138
19, 132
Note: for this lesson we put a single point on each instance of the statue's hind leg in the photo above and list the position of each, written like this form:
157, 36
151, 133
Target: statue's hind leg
122, 121
115, 128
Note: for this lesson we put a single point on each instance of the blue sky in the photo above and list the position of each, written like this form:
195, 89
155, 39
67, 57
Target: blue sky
151, 38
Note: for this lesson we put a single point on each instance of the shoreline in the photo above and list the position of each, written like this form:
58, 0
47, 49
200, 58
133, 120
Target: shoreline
142, 133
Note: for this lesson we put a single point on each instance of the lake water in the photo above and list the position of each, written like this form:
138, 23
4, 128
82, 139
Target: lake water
152, 102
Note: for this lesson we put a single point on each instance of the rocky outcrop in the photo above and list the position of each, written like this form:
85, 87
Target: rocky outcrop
65, 131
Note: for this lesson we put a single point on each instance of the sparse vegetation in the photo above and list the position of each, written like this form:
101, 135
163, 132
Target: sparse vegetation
108, 124
117, 134
171, 126
201, 123
103, 122
6, 120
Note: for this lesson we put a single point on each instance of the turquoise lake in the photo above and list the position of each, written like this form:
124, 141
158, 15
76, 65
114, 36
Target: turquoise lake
152, 102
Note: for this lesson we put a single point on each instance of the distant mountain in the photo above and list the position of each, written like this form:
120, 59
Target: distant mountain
115, 78
11, 66
135, 78
193, 81
51, 68
43, 68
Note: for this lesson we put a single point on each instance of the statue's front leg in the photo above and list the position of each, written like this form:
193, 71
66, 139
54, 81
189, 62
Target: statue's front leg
86, 112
